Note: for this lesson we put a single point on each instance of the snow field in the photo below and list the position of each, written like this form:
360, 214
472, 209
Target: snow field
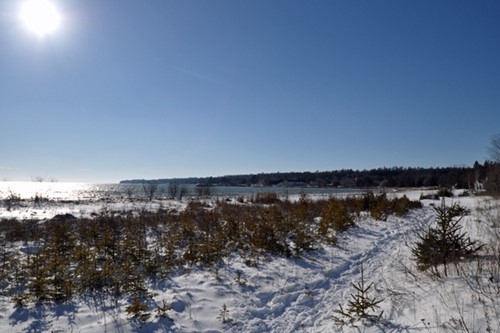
301, 294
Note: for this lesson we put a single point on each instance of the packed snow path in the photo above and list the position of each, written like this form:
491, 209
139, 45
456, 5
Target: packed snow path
299, 295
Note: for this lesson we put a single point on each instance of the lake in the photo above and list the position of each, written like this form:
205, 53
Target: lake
82, 191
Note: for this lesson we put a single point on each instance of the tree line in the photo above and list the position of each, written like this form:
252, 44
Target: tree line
478, 176
459, 177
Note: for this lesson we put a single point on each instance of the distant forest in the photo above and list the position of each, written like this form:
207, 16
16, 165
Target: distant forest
459, 177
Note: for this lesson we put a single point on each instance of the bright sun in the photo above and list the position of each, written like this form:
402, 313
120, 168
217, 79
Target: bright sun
41, 17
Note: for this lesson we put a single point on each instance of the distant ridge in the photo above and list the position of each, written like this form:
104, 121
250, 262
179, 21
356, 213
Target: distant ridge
460, 177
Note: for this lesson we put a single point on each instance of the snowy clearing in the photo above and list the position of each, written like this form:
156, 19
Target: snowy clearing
301, 294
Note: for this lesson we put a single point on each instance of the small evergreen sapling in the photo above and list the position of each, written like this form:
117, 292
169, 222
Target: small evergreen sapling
239, 279
445, 243
223, 316
360, 304
161, 310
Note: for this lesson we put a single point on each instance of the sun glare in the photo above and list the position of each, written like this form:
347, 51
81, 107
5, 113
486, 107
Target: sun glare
40, 17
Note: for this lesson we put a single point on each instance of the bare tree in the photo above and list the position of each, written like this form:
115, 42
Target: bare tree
204, 190
173, 190
129, 191
494, 149
182, 192
150, 190
38, 179
493, 169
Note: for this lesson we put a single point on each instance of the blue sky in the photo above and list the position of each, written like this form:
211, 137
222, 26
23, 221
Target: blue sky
160, 89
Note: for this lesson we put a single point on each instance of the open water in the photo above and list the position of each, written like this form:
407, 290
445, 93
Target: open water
81, 191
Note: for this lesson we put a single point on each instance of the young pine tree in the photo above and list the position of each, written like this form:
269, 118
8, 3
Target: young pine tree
361, 305
445, 243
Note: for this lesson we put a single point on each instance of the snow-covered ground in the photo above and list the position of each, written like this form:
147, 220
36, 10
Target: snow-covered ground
297, 294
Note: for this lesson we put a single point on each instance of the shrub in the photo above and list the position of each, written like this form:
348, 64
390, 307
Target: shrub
265, 238
13, 199
268, 198
401, 206
336, 217
445, 192
137, 310
429, 196
119, 255
378, 205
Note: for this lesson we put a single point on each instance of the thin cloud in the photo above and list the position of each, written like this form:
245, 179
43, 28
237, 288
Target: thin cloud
198, 75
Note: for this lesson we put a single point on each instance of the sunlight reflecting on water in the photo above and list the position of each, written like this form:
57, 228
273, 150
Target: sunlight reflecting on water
83, 191
55, 191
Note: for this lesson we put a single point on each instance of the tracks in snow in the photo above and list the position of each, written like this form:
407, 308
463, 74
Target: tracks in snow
307, 290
